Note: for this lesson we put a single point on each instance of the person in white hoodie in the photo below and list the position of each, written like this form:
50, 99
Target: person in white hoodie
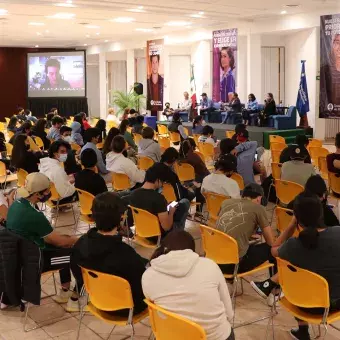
148, 147
193, 287
51, 167
116, 162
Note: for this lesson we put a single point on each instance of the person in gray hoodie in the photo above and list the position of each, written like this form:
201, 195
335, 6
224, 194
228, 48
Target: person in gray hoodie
76, 135
148, 147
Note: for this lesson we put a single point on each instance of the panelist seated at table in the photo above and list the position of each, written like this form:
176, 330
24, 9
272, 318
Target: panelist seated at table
233, 107
185, 106
206, 106
252, 107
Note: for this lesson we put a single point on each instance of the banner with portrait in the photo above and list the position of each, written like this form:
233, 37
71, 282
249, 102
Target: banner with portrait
155, 75
224, 64
329, 105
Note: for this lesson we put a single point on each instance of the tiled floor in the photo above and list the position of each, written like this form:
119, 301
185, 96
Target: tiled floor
65, 325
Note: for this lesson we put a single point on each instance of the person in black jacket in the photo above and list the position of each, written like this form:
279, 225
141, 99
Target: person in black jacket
302, 141
269, 109
39, 131
233, 107
103, 250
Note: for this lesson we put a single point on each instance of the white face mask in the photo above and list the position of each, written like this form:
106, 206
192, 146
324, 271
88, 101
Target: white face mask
62, 157
68, 139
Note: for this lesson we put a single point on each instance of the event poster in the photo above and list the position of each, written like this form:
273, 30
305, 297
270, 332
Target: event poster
329, 106
224, 64
155, 75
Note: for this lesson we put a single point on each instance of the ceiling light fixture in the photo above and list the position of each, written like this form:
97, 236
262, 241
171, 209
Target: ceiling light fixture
63, 4
139, 9
85, 44
178, 23
47, 31
3, 11
87, 36
106, 41
123, 20
36, 24
283, 12
36, 46
38, 33
98, 33
62, 15
144, 29
92, 26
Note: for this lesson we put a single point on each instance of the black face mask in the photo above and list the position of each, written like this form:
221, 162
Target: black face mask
45, 198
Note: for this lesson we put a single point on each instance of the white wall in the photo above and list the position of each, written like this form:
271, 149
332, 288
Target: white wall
92, 81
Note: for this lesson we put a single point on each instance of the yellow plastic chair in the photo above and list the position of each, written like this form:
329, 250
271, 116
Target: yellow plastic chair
214, 202
175, 137
323, 168
100, 145
137, 138
276, 155
39, 142
144, 163
239, 179
147, 225
85, 202
314, 143
186, 131
184, 171
302, 288
286, 191
283, 219
278, 146
7, 120
33, 146
2, 127
9, 149
207, 149
169, 193
169, 326
47, 130
334, 184
223, 249
196, 137
162, 130
316, 152
6, 177
229, 134
75, 147
111, 124
276, 170
10, 134
120, 182
21, 175
164, 142
99, 287
276, 139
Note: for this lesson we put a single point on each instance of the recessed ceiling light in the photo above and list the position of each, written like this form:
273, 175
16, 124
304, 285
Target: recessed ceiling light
178, 23
85, 44
106, 41
139, 9
200, 13
63, 4
92, 26
123, 20
87, 36
197, 15
283, 12
38, 33
36, 24
36, 46
144, 29
47, 31
3, 11
62, 15
98, 33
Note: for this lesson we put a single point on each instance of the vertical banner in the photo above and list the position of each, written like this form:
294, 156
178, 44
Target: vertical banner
329, 106
224, 64
155, 73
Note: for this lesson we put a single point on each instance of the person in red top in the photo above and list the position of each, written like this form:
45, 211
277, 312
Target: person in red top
333, 159
85, 122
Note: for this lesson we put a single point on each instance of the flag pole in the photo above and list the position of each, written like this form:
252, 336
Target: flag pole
304, 119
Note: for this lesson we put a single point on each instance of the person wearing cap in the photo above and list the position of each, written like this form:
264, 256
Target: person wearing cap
26, 221
296, 170
168, 111
300, 140
219, 182
316, 249
240, 218
206, 106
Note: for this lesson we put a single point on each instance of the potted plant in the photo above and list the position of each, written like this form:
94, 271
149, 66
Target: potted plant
122, 100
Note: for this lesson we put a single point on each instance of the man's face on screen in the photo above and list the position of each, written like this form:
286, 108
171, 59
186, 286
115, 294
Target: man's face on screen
53, 75
154, 64
336, 46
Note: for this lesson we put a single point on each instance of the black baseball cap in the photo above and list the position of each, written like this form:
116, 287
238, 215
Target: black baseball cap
203, 94
298, 153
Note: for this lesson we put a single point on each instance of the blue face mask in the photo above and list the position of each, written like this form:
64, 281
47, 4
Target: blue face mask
160, 190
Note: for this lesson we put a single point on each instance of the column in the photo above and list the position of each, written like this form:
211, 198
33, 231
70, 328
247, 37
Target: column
254, 66
130, 69
103, 95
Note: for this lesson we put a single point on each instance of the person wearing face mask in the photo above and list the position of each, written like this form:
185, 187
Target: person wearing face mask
51, 167
168, 111
65, 133
22, 156
31, 224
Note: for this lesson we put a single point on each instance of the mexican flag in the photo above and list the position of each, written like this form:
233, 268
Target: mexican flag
193, 86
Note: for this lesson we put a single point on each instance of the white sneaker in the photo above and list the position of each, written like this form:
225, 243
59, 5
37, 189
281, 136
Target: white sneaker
74, 306
63, 296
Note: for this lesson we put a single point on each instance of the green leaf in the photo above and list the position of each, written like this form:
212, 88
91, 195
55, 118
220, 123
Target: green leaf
131, 100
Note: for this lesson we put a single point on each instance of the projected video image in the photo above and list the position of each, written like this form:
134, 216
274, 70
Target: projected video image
56, 75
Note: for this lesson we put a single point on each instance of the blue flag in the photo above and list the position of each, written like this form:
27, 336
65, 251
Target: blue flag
302, 102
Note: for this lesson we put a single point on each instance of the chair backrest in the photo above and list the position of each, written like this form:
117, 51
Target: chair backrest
314, 143
146, 224
34, 147
168, 326
75, 147
276, 156
301, 287
334, 182
54, 193
276, 170
7, 120
169, 193
175, 137
283, 219
39, 142
278, 146
111, 124
229, 134
207, 149
218, 246
322, 164
286, 191
137, 138
184, 171
196, 137
2, 127
100, 286
316, 152
144, 163
276, 139
120, 182
3, 171
9, 149
214, 202
21, 174
85, 200
100, 145
164, 142
239, 179
10, 134
186, 131
291, 112
162, 129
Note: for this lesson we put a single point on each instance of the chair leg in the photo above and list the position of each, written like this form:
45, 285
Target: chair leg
54, 283
132, 331
111, 332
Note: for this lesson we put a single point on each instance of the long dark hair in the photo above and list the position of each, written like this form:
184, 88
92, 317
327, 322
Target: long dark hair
39, 128
196, 121
123, 126
107, 144
101, 125
251, 95
19, 152
176, 240
186, 146
230, 53
12, 122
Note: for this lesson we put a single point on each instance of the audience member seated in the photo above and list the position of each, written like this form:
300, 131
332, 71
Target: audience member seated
316, 249
24, 129
219, 181
148, 198
302, 142
206, 106
87, 179
127, 135
233, 107
168, 112
76, 136
79, 119
85, 122
12, 125
101, 126
296, 170
333, 159
182, 282
54, 132
197, 125
25, 115
24, 220
65, 133
148, 147
176, 126
137, 124
102, 249
116, 162
39, 131
20, 114
111, 116
51, 167
49, 117
22, 156
207, 135
91, 137
108, 141
252, 108
125, 114
269, 109
317, 186
185, 106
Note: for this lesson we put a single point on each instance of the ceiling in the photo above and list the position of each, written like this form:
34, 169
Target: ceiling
154, 15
